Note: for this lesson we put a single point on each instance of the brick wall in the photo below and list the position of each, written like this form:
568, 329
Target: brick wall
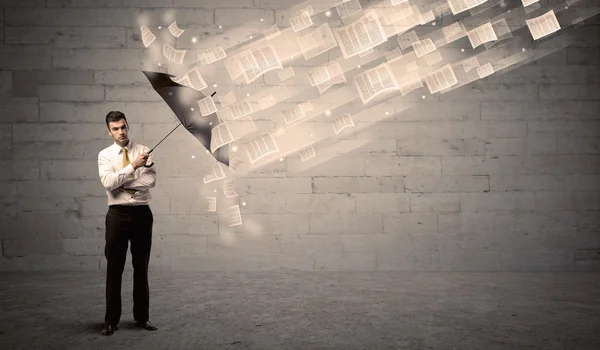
500, 174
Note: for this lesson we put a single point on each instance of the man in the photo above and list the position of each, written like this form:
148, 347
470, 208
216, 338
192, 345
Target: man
129, 218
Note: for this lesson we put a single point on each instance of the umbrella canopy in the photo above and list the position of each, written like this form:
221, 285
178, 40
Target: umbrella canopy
181, 99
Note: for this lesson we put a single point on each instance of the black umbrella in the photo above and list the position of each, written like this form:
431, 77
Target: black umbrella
181, 99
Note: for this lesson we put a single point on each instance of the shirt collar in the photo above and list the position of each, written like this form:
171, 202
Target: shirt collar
128, 146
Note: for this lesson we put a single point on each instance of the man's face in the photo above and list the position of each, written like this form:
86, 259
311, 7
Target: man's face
118, 130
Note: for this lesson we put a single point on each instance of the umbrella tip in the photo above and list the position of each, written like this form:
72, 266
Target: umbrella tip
213, 94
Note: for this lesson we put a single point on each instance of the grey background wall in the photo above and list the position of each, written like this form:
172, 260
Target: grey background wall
502, 174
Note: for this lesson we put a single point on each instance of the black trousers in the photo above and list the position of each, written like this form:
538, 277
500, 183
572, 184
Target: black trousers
126, 223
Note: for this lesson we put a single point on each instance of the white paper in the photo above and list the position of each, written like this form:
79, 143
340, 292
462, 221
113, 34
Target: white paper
543, 25
423, 47
291, 115
272, 33
362, 35
217, 173
397, 14
406, 40
485, 70
433, 58
172, 54
286, 73
229, 189
227, 99
470, 63
348, 8
307, 153
454, 31
212, 203
337, 77
441, 79
234, 163
374, 82
174, 29
411, 66
261, 147
235, 216
342, 122
192, 79
393, 55
207, 106
300, 22
211, 55
410, 82
482, 34
238, 110
220, 135
147, 36
458, 6
426, 17
266, 102
528, 2
316, 42
257, 62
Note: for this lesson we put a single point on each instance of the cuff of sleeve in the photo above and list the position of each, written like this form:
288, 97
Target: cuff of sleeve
129, 169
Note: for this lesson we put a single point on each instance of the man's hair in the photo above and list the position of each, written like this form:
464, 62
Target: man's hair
115, 116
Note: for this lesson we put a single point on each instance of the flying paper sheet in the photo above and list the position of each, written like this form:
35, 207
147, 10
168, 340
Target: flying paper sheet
217, 173
235, 216
317, 42
207, 106
174, 29
307, 153
406, 40
482, 34
374, 82
342, 122
221, 135
229, 189
348, 8
192, 79
286, 73
300, 22
543, 25
393, 55
234, 163
410, 83
212, 203
458, 6
256, 62
441, 79
485, 70
454, 31
211, 55
362, 35
227, 99
172, 54
423, 47
272, 33
147, 36
261, 147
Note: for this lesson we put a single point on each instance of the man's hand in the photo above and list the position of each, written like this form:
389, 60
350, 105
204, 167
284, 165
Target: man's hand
140, 161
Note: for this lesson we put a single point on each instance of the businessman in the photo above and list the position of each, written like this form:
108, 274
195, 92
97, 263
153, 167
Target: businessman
127, 180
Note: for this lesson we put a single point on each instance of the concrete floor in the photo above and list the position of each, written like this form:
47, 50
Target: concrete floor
309, 310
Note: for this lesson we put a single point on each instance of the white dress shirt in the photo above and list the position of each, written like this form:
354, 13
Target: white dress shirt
113, 175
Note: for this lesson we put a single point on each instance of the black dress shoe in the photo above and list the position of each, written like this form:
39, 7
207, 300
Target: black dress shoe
109, 329
146, 325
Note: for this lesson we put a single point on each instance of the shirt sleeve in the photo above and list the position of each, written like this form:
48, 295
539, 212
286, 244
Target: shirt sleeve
147, 178
110, 178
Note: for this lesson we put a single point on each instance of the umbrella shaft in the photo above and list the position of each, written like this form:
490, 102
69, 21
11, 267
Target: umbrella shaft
164, 138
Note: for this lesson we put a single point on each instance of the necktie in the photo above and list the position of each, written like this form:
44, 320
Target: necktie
126, 162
